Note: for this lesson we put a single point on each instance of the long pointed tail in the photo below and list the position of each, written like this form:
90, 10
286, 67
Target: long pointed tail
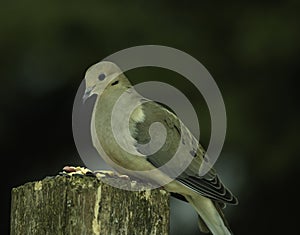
210, 215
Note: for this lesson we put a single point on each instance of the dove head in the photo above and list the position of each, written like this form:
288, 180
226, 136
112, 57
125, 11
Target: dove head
99, 76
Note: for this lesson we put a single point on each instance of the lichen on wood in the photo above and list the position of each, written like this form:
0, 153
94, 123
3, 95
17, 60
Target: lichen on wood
86, 205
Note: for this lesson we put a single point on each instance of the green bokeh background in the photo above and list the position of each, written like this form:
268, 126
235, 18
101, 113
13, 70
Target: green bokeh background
250, 48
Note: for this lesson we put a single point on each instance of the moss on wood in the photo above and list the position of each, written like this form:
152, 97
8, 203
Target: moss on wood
85, 205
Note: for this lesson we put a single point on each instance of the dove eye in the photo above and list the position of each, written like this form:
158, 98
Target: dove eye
101, 76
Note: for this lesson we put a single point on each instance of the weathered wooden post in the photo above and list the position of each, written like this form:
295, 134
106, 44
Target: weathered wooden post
86, 205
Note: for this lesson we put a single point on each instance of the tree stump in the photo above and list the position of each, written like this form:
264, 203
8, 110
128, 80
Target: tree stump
86, 205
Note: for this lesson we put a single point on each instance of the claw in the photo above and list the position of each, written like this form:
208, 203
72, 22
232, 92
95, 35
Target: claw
125, 177
105, 173
72, 170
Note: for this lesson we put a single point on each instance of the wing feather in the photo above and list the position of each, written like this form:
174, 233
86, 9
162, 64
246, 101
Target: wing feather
208, 185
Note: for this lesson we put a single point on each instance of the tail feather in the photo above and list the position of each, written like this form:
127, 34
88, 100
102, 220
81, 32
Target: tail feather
202, 226
221, 213
211, 215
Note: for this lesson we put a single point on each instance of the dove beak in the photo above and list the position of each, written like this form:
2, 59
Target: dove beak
87, 93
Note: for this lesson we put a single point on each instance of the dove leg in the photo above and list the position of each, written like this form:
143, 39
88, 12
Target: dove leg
72, 170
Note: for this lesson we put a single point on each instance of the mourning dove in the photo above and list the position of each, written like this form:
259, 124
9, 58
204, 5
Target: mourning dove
127, 148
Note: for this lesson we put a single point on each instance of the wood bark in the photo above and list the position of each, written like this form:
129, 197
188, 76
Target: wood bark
86, 205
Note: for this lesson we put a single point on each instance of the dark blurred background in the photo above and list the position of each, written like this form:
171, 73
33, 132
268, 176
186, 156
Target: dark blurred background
251, 49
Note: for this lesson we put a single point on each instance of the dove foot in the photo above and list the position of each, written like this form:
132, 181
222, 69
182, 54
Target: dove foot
80, 171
